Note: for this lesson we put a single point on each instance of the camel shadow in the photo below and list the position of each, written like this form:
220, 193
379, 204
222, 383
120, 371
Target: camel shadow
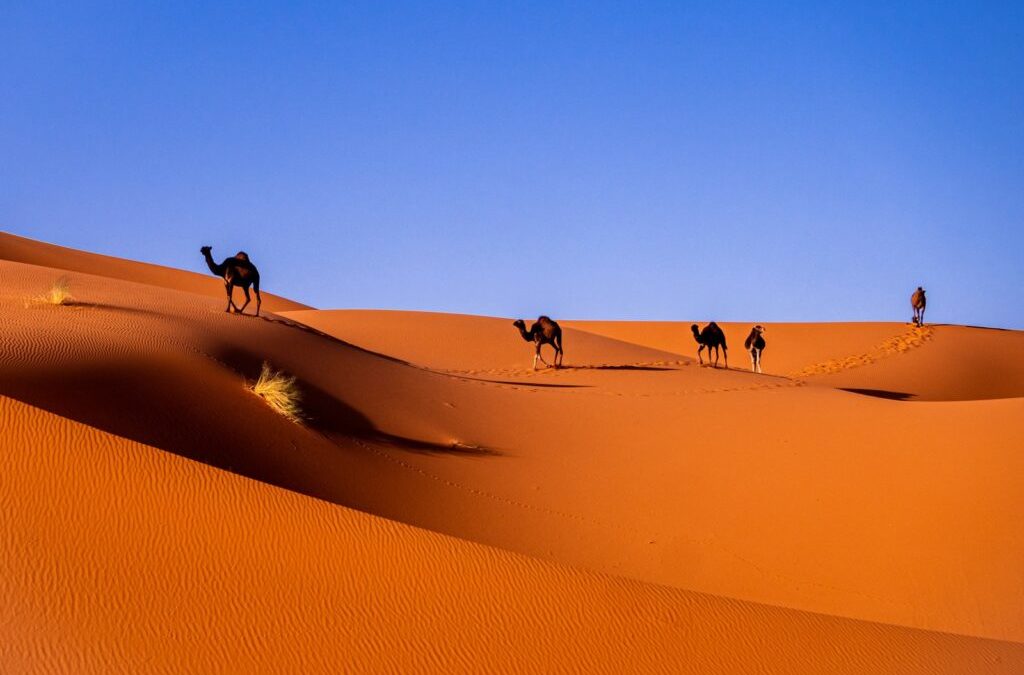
518, 383
625, 367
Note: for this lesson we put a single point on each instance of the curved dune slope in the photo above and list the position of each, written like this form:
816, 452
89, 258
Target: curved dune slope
475, 345
119, 557
635, 462
935, 363
744, 485
31, 252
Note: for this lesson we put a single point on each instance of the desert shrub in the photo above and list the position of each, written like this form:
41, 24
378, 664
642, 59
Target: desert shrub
279, 391
59, 293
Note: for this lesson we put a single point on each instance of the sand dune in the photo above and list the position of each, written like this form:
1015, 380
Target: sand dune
634, 481
31, 252
465, 344
118, 556
936, 363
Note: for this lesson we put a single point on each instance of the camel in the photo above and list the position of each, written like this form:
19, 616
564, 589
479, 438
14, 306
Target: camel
918, 301
543, 332
755, 345
236, 271
711, 337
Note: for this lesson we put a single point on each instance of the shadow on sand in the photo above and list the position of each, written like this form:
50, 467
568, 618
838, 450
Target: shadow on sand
880, 393
638, 367
216, 421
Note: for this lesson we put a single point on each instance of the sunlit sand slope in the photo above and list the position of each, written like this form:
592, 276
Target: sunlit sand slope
890, 360
472, 344
20, 249
752, 486
118, 557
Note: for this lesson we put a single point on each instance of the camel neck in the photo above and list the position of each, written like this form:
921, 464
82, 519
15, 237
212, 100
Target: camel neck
214, 267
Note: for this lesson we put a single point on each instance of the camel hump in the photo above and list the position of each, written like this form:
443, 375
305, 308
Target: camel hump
242, 255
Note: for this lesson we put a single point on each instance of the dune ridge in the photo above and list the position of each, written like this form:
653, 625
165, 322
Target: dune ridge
42, 254
894, 346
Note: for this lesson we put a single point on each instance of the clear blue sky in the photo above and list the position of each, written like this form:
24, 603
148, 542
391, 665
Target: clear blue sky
718, 160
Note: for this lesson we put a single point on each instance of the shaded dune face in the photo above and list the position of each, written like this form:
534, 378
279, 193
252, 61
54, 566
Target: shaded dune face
860, 477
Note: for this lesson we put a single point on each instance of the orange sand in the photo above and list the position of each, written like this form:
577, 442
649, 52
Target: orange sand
633, 511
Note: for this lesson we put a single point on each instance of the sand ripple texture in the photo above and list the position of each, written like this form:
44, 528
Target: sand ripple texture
118, 557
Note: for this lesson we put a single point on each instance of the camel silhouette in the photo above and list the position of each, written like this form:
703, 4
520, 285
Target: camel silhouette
918, 301
755, 345
711, 337
543, 332
236, 271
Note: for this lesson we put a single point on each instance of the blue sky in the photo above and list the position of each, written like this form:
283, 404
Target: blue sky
720, 160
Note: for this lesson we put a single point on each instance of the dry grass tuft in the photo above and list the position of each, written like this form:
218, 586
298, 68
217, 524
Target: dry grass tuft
280, 392
59, 293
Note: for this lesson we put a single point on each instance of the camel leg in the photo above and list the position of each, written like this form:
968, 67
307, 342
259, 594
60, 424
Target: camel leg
921, 322
753, 361
700, 348
715, 365
241, 310
725, 354
259, 300
229, 289
539, 355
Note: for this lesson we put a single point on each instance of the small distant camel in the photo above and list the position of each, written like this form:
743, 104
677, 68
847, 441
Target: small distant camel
543, 332
711, 337
755, 345
236, 271
918, 301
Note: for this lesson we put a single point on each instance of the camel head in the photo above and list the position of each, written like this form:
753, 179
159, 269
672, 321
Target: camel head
759, 329
205, 249
696, 330
521, 327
